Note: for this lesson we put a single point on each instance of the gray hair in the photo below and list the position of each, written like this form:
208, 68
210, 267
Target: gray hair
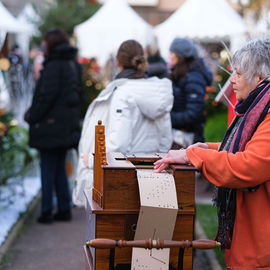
253, 59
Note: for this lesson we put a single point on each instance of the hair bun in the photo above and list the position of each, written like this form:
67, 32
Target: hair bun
137, 60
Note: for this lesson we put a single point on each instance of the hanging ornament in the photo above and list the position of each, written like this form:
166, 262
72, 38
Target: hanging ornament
4, 64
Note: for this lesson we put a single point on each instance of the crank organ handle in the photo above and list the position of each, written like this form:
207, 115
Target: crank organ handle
149, 243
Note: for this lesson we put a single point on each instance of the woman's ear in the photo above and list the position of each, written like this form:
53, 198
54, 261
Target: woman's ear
260, 79
119, 65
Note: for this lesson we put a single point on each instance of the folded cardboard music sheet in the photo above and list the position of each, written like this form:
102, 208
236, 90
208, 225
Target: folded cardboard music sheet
157, 218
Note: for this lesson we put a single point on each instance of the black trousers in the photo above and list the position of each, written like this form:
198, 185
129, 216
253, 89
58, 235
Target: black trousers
53, 177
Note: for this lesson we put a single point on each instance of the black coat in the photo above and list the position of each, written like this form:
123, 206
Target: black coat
188, 109
54, 115
157, 67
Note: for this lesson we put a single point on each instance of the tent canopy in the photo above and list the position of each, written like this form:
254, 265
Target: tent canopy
203, 20
263, 25
8, 23
101, 35
29, 17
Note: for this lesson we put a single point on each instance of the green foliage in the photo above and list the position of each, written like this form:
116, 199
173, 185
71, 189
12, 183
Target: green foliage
92, 82
215, 127
212, 107
207, 216
65, 14
15, 154
216, 112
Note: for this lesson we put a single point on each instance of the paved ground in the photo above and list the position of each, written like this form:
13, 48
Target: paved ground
203, 194
59, 246
51, 247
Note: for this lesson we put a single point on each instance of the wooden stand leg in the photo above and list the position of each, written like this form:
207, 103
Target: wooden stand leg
112, 253
181, 258
88, 258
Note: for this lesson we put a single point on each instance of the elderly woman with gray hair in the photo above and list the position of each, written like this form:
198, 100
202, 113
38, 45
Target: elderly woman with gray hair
239, 165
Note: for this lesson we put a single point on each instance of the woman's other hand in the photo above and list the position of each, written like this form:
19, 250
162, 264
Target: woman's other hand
199, 144
173, 156
27, 116
85, 158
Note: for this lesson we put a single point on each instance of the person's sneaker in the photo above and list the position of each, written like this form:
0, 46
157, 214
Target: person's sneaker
63, 216
45, 218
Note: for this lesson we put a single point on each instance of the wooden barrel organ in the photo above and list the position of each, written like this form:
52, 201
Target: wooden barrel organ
112, 207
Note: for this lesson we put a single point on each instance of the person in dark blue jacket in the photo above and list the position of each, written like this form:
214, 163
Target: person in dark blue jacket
190, 76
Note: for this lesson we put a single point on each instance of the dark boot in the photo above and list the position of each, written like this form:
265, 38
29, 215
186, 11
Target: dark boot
63, 216
45, 218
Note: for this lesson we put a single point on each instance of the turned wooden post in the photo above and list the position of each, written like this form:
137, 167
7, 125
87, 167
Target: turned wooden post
99, 160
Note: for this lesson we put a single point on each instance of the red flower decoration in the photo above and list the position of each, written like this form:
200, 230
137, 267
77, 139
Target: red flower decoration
84, 60
229, 68
214, 103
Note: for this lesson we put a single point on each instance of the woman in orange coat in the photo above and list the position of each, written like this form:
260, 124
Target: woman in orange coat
239, 166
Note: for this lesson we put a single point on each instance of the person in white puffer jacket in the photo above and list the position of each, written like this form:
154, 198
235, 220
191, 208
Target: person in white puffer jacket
136, 114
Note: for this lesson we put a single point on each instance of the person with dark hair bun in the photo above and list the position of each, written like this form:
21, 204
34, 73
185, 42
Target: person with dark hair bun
54, 118
131, 60
135, 111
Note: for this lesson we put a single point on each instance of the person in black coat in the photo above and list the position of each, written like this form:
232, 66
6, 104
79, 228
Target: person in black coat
54, 118
190, 76
156, 64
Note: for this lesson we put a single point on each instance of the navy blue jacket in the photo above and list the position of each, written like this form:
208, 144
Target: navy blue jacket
188, 109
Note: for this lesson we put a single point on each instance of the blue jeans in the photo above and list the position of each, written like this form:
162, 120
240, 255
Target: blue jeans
53, 175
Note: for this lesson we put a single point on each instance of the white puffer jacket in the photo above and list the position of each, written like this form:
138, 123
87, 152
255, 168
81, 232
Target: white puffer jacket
136, 115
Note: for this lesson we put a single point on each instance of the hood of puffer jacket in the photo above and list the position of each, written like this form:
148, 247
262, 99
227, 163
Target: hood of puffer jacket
153, 96
201, 67
63, 51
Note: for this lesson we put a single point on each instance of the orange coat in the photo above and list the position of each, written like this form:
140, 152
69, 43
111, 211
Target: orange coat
250, 247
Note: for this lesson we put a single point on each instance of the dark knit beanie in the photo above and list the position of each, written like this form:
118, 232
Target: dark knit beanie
184, 48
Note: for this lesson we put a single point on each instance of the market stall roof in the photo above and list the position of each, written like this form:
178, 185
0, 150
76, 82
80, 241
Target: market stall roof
29, 17
203, 20
263, 25
143, 3
8, 23
114, 22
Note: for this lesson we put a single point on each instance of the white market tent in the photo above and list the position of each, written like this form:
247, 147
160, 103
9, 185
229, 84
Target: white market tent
201, 20
9, 23
114, 22
28, 16
263, 25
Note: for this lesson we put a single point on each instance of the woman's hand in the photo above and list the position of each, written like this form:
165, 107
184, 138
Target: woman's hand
199, 144
85, 158
173, 156
27, 116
